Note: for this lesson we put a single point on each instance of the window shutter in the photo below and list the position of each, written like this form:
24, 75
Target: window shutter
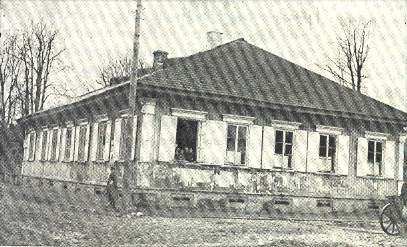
116, 139
58, 144
313, 162
389, 161
49, 144
214, 142
34, 146
300, 150
106, 152
87, 141
254, 146
401, 160
342, 161
39, 148
26, 146
133, 144
167, 138
268, 147
361, 166
76, 153
94, 142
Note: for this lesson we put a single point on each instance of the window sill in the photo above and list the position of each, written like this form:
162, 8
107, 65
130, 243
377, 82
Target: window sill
332, 174
376, 178
100, 161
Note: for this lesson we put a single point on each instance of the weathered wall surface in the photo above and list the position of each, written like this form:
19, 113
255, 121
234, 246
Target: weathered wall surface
243, 180
194, 177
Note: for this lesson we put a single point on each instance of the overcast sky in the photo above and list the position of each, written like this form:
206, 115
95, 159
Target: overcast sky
95, 31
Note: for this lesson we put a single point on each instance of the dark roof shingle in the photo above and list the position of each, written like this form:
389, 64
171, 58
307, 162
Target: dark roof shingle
243, 70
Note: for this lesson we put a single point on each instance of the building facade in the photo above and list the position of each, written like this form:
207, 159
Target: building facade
235, 122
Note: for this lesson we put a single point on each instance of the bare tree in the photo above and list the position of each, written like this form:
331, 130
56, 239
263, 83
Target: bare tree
353, 49
10, 67
39, 55
27, 60
119, 68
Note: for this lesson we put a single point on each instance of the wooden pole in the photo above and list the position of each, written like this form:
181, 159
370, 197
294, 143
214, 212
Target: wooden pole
129, 176
134, 64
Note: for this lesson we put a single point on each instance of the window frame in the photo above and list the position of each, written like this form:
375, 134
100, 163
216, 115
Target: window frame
236, 144
54, 147
198, 133
327, 157
372, 165
71, 142
44, 145
192, 115
82, 127
100, 149
328, 146
284, 147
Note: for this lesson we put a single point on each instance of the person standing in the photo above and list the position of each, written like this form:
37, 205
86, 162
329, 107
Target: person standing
112, 191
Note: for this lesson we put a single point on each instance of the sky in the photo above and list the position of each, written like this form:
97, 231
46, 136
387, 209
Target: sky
95, 32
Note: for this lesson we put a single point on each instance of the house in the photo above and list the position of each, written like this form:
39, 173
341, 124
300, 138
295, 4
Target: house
234, 121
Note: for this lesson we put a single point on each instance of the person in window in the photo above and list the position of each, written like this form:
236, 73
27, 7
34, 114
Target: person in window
403, 197
111, 187
179, 153
189, 153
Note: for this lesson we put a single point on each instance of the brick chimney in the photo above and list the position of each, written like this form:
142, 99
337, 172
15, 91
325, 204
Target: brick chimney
214, 39
159, 59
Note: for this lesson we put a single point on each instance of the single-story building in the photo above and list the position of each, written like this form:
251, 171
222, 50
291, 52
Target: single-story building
232, 120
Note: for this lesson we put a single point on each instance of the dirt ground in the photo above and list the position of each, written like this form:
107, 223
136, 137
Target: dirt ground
35, 218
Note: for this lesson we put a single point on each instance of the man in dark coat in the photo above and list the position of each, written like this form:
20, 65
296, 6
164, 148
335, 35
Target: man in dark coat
111, 187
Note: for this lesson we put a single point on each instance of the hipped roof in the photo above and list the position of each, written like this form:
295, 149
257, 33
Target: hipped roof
241, 70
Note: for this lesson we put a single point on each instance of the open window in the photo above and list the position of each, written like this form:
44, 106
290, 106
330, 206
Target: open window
236, 144
327, 151
186, 140
375, 157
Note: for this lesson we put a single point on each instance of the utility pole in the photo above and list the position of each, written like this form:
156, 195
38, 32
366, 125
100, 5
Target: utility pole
129, 176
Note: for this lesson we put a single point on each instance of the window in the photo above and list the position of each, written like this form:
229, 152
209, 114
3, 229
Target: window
31, 147
82, 143
374, 157
186, 140
327, 150
284, 145
54, 144
101, 140
68, 144
236, 144
125, 138
44, 145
